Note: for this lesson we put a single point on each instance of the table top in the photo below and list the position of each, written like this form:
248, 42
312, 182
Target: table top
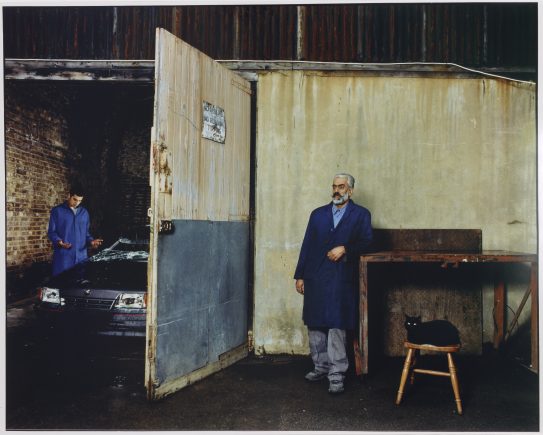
487, 256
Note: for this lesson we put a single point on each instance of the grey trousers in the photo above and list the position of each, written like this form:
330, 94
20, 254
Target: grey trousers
328, 352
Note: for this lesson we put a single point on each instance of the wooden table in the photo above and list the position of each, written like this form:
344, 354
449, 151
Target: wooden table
446, 259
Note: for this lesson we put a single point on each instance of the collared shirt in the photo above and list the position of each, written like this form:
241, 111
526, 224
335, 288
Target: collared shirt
338, 213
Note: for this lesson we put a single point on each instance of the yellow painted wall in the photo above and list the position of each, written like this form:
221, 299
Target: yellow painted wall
425, 152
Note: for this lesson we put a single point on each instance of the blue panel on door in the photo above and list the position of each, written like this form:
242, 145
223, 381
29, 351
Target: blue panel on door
202, 286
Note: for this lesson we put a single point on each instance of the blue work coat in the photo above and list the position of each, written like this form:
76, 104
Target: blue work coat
70, 228
331, 288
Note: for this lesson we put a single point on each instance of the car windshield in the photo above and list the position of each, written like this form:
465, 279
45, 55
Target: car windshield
130, 245
124, 249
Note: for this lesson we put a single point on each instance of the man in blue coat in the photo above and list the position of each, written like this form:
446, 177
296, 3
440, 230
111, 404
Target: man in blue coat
327, 276
69, 231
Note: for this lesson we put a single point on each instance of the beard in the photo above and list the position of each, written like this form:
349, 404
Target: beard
338, 200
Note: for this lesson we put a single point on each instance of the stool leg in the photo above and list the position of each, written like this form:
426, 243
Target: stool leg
454, 382
405, 372
413, 363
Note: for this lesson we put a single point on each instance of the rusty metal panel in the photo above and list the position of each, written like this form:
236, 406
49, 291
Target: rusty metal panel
440, 240
449, 258
471, 34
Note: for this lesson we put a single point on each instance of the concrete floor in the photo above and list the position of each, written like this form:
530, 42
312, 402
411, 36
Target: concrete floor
98, 384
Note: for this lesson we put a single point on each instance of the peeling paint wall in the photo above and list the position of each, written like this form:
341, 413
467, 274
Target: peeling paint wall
427, 152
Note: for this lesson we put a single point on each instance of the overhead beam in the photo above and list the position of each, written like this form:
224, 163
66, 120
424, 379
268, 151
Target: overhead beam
253, 67
80, 70
142, 71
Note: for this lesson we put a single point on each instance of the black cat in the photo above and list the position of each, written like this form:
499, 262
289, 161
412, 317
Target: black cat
435, 332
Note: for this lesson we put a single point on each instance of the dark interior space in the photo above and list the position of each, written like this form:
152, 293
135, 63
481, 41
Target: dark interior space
59, 133
110, 134
436, 292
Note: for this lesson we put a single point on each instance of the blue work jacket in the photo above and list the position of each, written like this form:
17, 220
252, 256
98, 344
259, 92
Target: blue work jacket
331, 288
70, 228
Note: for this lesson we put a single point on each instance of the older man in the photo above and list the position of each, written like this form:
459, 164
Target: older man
327, 276
69, 232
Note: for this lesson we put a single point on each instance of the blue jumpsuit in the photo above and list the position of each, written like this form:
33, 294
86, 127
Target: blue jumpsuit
72, 228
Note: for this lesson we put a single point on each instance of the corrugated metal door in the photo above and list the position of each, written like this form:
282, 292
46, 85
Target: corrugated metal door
199, 250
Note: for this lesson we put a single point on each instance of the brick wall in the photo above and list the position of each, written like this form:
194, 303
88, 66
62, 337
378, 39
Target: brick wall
37, 178
133, 164
132, 160
56, 133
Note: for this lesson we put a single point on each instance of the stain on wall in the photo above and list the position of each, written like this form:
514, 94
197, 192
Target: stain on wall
427, 152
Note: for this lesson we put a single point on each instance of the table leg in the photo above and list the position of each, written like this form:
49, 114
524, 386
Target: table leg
499, 311
363, 313
534, 318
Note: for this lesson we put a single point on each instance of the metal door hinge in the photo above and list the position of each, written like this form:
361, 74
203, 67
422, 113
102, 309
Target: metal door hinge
250, 341
151, 331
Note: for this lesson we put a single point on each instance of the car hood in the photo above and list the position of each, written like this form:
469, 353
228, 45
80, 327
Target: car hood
116, 273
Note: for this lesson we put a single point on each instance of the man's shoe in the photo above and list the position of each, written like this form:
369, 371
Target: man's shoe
313, 376
335, 387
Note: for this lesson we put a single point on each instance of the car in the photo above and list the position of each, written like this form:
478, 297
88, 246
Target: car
105, 295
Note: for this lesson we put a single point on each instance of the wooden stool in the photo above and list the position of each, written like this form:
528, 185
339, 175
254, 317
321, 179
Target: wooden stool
409, 368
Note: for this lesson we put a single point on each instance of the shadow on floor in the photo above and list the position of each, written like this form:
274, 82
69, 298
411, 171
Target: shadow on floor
99, 385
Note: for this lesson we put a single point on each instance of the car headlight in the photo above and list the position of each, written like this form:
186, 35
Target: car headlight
131, 300
51, 295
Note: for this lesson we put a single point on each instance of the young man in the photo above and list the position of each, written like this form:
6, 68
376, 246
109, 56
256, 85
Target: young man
69, 231
327, 276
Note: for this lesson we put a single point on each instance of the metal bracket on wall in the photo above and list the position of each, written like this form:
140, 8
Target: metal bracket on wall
166, 227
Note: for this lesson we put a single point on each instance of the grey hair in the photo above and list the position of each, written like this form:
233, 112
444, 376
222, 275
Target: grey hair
349, 177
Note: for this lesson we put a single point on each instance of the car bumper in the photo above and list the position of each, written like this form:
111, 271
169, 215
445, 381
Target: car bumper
114, 322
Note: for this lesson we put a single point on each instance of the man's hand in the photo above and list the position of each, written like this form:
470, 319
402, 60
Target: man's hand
95, 243
336, 253
64, 245
300, 286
